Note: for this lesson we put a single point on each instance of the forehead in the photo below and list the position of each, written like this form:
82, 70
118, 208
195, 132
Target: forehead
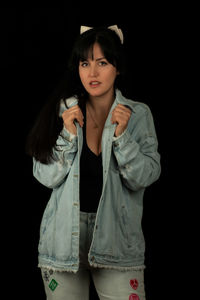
97, 51
94, 52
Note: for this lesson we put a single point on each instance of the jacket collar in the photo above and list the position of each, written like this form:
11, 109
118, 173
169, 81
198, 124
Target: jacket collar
120, 99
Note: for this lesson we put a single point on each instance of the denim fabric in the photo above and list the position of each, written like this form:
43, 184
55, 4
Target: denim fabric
131, 163
109, 284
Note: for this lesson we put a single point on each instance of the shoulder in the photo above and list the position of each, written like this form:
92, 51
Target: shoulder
141, 116
137, 107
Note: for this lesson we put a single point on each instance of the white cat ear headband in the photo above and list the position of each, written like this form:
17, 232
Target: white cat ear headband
113, 27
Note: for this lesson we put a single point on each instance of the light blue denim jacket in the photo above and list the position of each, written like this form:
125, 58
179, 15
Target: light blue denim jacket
130, 164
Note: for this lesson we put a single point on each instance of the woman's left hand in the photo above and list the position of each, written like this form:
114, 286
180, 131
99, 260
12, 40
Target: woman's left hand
120, 115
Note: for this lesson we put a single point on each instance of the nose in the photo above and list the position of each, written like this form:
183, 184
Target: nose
93, 70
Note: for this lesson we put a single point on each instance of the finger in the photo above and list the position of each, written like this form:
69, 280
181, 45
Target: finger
120, 113
120, 119
123, 107
79, 118
114, 116
73, 108
72, 112
123, 111
113, 119
78, 115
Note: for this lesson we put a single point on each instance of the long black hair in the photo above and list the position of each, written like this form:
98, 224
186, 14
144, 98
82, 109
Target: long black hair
42, 138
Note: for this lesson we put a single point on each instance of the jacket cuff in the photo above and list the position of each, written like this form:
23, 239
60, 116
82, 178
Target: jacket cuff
121, 140
70, 137
115, 138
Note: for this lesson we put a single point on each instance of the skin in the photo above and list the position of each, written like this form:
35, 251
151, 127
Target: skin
101, 98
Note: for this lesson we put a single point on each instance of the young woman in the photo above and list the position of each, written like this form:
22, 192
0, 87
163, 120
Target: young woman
97, 150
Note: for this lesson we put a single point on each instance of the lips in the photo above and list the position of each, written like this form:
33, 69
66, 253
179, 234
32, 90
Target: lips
94, 83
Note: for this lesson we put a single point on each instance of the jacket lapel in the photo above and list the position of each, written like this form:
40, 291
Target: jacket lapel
106, 143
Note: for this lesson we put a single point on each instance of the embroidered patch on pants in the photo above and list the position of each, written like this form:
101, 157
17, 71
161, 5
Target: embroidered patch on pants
53, 285
134, 284
134, 297
47, 274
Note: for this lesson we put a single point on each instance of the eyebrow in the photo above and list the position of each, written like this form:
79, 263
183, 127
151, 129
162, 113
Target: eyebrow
100, 58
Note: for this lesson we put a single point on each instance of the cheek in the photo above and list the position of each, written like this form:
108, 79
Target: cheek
82, 76
111, 76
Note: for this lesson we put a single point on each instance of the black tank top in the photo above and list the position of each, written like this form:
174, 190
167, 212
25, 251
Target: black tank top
91, 175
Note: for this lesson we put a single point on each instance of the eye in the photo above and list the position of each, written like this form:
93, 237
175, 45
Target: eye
103, 63
84, 64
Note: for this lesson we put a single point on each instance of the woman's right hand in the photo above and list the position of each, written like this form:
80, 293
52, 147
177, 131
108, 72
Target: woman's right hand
70, 115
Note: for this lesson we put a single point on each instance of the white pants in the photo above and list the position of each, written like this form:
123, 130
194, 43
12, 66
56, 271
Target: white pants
109, 284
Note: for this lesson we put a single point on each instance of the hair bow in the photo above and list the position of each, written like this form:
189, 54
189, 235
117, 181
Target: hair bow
113, 27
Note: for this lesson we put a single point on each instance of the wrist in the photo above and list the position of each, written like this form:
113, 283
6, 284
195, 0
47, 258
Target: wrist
68, 135
71, 130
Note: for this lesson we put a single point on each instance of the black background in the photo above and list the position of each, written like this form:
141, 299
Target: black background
36, 42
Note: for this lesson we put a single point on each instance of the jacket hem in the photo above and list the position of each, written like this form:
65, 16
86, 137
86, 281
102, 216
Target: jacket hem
94, 265
49, 264
122, 269
57, 269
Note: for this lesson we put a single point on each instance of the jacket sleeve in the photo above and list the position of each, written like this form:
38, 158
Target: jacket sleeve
53, 174
136, 151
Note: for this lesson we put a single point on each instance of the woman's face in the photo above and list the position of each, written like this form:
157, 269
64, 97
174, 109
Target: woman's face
97, 74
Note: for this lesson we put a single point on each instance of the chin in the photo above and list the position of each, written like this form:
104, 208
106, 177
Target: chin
97, 92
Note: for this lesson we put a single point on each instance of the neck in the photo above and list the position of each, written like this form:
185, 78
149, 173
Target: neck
102, 104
